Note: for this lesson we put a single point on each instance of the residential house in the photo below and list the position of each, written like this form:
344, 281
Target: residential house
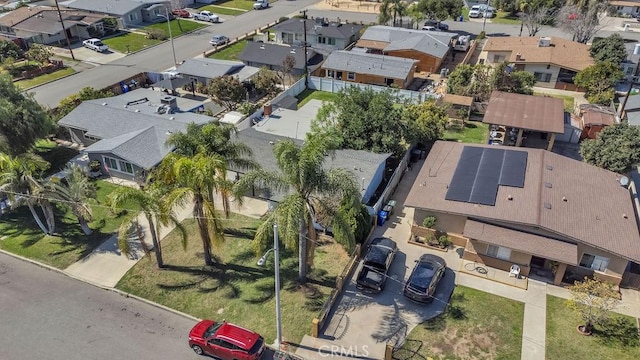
202, 70
374, 69
631, 111
629, 64
127, 12
127, 133
259, 54
625, 7
428, 47
553, 61
41, 24
557, 218
321, 34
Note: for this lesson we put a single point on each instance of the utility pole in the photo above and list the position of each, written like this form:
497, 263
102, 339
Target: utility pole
173, 49
64, 30
633, 82
306, 71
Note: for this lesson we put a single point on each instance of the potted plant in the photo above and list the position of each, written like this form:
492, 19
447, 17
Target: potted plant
95, 168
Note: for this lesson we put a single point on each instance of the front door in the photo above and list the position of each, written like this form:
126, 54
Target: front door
537, 262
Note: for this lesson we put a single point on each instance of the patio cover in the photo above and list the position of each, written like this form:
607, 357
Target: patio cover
529, 112
524, 242
458, 99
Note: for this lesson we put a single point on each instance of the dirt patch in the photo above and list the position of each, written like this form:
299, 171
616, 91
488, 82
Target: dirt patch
475, 343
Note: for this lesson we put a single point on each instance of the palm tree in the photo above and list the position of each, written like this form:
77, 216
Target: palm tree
197, 180
385, 12
310, 188
74, 191
399, 10
152, 203
17, 179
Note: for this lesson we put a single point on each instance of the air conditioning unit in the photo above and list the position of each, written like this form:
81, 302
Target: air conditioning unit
544, 41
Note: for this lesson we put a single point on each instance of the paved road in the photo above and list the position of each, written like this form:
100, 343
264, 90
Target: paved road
159, 57
46, 315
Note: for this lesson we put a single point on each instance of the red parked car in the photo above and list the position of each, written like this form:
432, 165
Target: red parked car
181, 13
225, 341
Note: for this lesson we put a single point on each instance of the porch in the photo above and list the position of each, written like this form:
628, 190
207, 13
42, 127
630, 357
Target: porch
490, 273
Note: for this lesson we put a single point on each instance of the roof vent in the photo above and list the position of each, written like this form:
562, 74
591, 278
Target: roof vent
624, 181
518, 57
547, 205
625, 216
104, 104
271, 142
549, 167
172, 118
564, 198
293, 51
262, 47
137, 110
548, 185
509, 197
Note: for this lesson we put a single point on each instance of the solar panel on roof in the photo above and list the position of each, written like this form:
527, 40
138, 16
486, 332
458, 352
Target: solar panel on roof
513, 168
464, 176
485, 186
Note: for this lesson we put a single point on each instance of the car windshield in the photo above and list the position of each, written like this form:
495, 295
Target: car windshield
212, 330
421, 277
98, 43
256, 347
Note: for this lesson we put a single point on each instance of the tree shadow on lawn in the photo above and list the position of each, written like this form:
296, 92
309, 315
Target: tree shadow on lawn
241, 233
411, 350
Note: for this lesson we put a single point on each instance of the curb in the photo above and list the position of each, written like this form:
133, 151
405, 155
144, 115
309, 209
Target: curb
120, 292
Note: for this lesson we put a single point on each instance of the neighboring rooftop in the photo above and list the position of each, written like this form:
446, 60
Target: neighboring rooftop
319, 26
566, 197
387, 38
535, 50
213, 68
114, 7
294, 124
379, 65
272, 54
529, 112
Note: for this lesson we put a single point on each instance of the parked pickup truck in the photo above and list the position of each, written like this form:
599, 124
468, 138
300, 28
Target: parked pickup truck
376, 264
95, 45
207, 16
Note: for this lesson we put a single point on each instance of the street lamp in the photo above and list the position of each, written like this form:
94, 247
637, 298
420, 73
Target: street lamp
276, 259
173, 49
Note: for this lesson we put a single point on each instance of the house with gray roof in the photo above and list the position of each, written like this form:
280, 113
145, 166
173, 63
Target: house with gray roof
128, 12
374, 69
631, 111
430, 48
204, 69
321, 34
127, 133
259, 54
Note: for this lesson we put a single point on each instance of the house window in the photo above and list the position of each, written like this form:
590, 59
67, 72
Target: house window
322, 40
287, 38
133, 17
498, 58
566, 76
542, 77
125, 167
351, 76
111, 163
499, 252
118, 165
594, 262
331, 73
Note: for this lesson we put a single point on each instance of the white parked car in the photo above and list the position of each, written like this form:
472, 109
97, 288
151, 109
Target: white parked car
260, 4
206, 15
95, 45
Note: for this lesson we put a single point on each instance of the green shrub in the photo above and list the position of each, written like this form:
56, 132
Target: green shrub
481, 36
429, 221
247, 108
444, 241
156, 34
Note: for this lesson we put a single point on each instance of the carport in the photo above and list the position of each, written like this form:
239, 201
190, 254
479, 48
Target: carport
539, 114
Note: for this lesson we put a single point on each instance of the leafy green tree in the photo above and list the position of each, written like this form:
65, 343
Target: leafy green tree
610, 49
599, 81
39, 53
426, 121
516, 81
616, 148
69, 103
441, 9
266, 80
198, 180
593, 300
227, 91
309, 187
459, 80
363, 119
22, 120
19, 180
151, 202
9, 49
74, 191
416, 14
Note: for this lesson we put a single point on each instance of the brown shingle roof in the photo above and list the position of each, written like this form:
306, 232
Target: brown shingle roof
458, 99
538, 113
593, 213
21, 14
564, 53
372, 44
594, 117
521, 241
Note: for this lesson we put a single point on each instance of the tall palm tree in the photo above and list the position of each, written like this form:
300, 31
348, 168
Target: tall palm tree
74, 191
399, 10
18, 180
152, 203
210, 139
198, 180
309, 188
385, 12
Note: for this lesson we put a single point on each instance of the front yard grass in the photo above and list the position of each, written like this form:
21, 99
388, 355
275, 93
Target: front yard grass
236, 289
178, 27
505, 17
230, 52
564, 342
475, 132
56, 156
568, 100
134, 41
20, 235
224, 10
478, 325
237, 4
309, 94
38, 80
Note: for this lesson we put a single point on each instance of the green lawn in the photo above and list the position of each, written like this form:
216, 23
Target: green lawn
178, 27
135, 41
568, 100
235, 4
224, 10
236, 289
474, 132
309, 94
480, 326
230, 52
564, 342
38, 80
57, 156
504, 17
20, 234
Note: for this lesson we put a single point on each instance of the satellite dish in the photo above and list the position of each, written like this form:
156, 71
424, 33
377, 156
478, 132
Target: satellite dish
624, 181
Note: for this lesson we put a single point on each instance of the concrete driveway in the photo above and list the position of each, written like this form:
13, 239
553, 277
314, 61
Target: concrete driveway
83, 54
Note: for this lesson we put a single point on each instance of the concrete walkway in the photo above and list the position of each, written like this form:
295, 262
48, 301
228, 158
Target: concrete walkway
534, 326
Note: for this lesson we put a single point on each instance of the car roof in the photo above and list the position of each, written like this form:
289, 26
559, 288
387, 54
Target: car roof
379, 250
237, 335
432, 259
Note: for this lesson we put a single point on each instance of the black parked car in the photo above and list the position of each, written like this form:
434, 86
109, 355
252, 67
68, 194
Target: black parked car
424, 278
439, 25
376, 264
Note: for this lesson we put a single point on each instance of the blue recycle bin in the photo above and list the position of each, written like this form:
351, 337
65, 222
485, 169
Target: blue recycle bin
382, 217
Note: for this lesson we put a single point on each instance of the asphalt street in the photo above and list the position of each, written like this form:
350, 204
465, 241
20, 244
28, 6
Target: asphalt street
47, 315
